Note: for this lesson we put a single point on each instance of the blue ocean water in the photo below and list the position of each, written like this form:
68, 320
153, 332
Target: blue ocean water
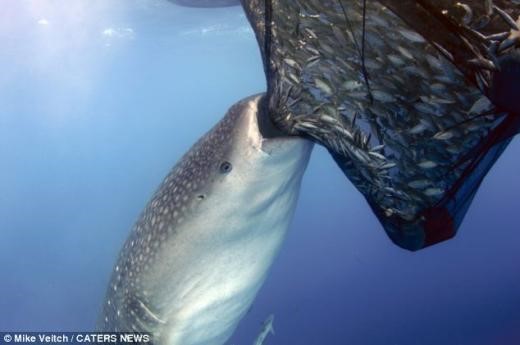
99, 98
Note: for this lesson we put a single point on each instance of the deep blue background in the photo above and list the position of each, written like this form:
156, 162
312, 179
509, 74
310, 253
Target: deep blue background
99, 98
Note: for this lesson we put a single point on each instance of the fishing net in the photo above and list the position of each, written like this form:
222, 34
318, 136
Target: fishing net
415, 100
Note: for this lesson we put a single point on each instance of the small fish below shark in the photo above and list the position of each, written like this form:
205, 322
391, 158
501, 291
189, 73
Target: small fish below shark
204, 244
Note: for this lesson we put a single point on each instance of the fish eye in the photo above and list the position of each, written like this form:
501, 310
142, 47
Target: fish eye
225, 167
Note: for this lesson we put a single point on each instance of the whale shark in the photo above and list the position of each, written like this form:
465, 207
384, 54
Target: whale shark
202, 248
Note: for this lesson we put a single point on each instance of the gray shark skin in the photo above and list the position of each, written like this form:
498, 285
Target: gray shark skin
202, 247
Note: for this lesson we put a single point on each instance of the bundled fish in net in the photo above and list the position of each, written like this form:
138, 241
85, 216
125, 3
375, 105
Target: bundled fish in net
415, 100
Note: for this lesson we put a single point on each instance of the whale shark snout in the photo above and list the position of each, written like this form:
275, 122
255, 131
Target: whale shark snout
202, 247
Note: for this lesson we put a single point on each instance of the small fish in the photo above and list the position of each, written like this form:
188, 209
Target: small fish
435, 101
507, 18
405, 52
352, 85
483, 63
388, 166
444, 135
345, 132
305, 125
396, 60
291, 63
377, 148
323, 86
311, 33
426, 164
412, 36
434, 62
377, 155
444, 52
294, 78
329, 119
481, 105
312, 50
382, 96
433, 192
419, 184
426, 108
437, 87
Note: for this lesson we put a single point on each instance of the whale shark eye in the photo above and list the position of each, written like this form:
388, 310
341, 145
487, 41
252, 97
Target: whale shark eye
225, 167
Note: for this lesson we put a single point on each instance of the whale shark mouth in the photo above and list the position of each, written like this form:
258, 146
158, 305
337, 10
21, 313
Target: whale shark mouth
413, 99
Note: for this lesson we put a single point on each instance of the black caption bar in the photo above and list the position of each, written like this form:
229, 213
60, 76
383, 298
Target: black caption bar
74, 338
